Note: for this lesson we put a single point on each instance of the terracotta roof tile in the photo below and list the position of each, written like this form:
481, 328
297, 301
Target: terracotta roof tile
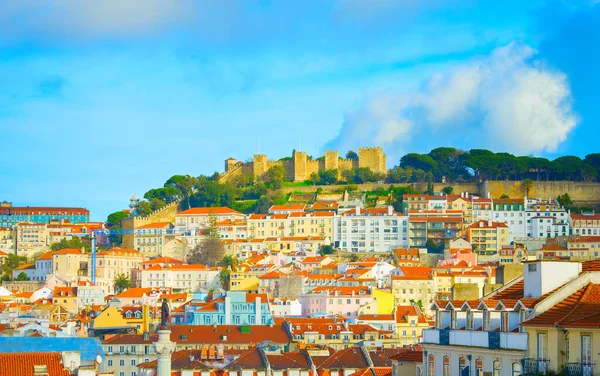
21, 364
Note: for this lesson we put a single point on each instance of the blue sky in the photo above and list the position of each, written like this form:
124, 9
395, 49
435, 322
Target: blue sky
105, 98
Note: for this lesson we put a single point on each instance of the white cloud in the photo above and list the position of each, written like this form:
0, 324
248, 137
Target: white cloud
76, 19
506, 101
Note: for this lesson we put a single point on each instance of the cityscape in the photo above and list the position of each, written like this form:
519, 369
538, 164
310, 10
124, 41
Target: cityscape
266, 188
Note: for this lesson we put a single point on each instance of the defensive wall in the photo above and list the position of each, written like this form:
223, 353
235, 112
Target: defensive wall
582, 193
300, 166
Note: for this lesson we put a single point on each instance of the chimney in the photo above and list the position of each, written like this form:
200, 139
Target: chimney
466, 194
357, 210
462, 194
390, 210
489, 223
82, 250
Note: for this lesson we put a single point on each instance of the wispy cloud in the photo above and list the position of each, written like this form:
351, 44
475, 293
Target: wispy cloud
508, 100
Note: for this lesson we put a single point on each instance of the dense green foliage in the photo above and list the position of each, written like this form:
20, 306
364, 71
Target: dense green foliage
10, 262
75, 243
122, 283
483, 164
249, 194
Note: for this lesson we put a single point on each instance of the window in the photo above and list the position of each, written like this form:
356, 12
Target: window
541, 346
431, 365
479, 367
497, 368
122, 362
110, 363
133, 362
446, 368
462, 364
516, 369
586, 351
567, 340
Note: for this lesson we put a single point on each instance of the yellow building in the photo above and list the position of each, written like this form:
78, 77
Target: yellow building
413, 283
111, 317
410, 322
567, 335
290, 224
31, 238
150, 239
114, 262
70, 264
66, 297
8, 236
382, 304
487, 237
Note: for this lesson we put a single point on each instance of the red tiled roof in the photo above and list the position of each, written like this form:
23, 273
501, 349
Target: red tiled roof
183, 334
155, 225
21, 364
373, 371
580, 309
487, 224
206, 211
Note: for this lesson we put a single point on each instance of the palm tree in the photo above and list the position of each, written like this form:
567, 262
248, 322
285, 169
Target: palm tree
527, 184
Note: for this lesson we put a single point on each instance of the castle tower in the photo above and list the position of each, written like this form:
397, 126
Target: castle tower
230, 164
299, 159
331, 160
260, 164
373, 158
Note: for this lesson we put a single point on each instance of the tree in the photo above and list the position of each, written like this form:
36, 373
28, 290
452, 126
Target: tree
113, 222
11, 262
290, 286
430, 188
225, 278
122, 283
352, 155
447, 190
418, 161
22, 277
184, 184
504, 195
327, 177
433, 247
274, 177
564, 200
209, 252
326, 250
74, 242
527, 184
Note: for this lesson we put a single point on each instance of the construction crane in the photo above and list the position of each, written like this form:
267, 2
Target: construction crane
92, 235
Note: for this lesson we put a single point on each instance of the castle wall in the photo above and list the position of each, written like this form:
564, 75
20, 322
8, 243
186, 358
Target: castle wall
331, 160
260, 164
373, 158
164, 214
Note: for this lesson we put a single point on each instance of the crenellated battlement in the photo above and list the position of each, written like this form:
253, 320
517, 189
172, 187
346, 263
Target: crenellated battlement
300, 167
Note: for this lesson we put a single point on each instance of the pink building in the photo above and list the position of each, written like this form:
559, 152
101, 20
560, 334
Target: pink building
344, 301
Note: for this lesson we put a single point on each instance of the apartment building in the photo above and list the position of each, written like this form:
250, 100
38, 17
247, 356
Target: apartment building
438, 226
585, 224
150, 239
487, 237
193, 220
179, 277
344, 301
370, 230
13, 215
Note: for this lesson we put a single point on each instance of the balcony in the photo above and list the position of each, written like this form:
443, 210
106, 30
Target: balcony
490, 340
532, 366
579, 369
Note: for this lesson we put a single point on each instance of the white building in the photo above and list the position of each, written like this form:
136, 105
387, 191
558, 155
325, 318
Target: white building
546, 219
180, 277
486, 336
370, 230
89, 294
585, 224
281, 307
197, 218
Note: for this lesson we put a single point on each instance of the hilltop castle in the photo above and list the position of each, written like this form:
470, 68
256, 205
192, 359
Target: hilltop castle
300, 167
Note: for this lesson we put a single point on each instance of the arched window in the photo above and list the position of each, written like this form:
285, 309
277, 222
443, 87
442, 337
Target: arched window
479, 367
462, 364
516, 369
497, 368
431, 366
446, 369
